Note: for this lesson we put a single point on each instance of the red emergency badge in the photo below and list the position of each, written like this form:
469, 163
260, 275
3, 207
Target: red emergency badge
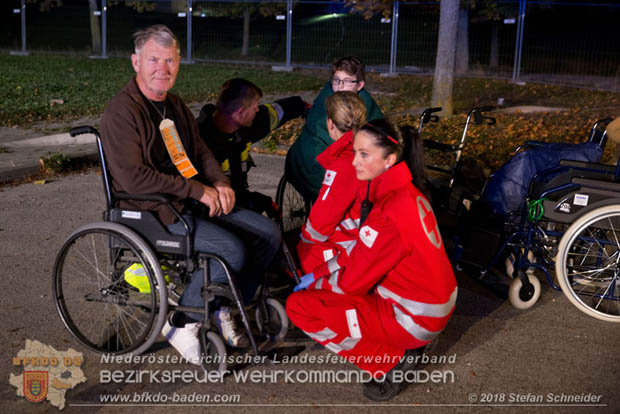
429, 223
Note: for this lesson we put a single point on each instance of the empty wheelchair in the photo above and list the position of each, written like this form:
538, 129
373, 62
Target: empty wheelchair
563, 201
115, 281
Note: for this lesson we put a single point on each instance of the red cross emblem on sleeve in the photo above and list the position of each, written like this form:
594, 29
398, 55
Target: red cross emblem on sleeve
328, 178
429, 223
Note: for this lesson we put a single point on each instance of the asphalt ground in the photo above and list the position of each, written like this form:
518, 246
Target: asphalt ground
491, 357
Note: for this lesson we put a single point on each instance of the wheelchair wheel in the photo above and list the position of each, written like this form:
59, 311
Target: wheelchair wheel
214, 356
276, 326
293, 208
521, 297
587, 265
96, 304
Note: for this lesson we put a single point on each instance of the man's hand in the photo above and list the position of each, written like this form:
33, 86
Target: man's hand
211, 198
226, 196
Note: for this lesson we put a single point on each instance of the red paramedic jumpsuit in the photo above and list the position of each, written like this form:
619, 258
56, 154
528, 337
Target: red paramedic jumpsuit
332, 226
398, 288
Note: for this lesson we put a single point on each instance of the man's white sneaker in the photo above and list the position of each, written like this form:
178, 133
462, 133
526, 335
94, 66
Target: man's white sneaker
184, 340
226, 324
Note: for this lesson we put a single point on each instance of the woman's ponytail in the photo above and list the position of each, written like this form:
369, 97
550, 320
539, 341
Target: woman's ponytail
413, 155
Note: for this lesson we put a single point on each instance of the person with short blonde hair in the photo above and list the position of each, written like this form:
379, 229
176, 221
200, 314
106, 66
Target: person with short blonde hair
332, 224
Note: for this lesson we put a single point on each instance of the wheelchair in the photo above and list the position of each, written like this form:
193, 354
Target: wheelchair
108, 314
569, 222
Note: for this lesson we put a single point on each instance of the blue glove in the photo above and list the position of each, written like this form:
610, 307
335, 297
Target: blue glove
306, 280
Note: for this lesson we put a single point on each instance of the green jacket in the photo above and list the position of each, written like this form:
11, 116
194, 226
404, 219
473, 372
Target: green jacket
301, 167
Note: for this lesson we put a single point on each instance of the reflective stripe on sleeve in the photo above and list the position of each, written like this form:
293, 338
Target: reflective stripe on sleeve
333, 281
332, 265
350, 224
420, 308
315, 234
348, 245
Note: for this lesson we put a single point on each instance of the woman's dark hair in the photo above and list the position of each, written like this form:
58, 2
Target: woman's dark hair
405, 143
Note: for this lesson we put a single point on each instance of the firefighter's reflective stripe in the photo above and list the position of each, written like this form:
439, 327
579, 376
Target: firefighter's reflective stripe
275, 114
225, 166
244, 157
440, 310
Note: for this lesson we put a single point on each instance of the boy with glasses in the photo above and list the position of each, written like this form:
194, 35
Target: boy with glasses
302, 169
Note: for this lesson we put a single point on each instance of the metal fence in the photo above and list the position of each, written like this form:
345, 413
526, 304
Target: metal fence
567, 42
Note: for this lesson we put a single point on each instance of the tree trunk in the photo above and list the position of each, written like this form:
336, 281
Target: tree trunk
95, 28
494, 52
443, 81
246, 32
462, 39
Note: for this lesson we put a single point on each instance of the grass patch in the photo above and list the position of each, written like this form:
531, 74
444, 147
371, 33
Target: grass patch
33, 83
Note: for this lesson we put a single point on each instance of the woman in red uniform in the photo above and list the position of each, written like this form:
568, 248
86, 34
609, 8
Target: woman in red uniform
398, 288
333, 223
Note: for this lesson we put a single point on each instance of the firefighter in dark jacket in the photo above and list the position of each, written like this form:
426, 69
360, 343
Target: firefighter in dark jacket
231, 126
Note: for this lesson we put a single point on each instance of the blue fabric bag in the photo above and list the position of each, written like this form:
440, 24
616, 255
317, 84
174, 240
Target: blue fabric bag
507, 188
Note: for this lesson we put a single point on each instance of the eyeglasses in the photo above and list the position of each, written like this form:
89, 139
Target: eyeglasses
347, 82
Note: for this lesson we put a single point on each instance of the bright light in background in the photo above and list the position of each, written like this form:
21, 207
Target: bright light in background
323, 18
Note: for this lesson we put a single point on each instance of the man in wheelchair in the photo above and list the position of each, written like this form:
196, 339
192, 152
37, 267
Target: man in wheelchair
234, 123
152, 144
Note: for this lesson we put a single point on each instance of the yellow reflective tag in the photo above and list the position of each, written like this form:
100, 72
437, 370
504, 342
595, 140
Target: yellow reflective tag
175, 149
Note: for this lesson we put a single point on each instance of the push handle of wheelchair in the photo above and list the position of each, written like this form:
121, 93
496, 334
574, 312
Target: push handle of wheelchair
427, 116
84, 129
479, 118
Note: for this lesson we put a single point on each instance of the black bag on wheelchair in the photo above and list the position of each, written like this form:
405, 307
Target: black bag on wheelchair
507, 188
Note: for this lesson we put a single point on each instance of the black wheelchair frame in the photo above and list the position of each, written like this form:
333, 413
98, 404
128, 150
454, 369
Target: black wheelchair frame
129, 320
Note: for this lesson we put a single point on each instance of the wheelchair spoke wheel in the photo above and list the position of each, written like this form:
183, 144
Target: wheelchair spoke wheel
94, 299
587, 266
214, 356
294, 209
275, 324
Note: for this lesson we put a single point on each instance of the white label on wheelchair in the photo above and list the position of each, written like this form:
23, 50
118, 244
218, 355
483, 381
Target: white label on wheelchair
581, 200
168, 243
132, 214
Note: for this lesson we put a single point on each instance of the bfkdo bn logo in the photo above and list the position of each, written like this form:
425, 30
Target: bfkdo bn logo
35, 385
47, 374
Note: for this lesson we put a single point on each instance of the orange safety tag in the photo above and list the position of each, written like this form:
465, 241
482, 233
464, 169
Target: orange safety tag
175, 149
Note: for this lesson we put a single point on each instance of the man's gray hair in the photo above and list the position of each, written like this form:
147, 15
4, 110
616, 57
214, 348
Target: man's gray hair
160, 33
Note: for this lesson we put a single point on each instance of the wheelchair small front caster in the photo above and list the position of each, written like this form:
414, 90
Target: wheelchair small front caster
523, 296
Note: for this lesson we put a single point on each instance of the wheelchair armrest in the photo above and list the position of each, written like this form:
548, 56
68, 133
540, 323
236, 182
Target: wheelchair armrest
601, 185
164, 198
